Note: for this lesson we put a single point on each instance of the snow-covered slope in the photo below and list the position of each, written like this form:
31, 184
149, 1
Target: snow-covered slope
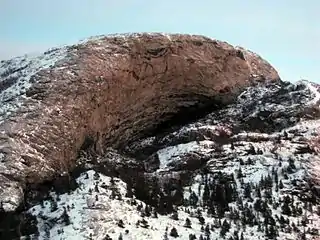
242, 172
17, 76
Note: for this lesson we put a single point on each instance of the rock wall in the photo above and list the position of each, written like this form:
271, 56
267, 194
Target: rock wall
110, 90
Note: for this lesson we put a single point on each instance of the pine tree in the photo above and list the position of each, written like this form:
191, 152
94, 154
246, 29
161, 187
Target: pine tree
211, 211
120, 237
193, 199
235, 235
275, 174
241, 161
239, 173
174, 232
207, 231
280, 185
251, 150
165, 235
201, 220
250, 161
96, 188
192, 237
285, 207
65, 217
258, 192
187, 224
258, 205
206, 194
291, 167
224, 228
310, 207
286, 135
268, 182
303, 235
241, 237
247, 191
272, 232
53, 205
259, 151
232, 146
120, 223
112, 182
282, 221
107, 237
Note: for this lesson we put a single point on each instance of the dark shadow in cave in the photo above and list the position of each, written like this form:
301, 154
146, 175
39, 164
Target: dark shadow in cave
198, 107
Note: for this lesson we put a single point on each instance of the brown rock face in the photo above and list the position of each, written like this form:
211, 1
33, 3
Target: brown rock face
111, 90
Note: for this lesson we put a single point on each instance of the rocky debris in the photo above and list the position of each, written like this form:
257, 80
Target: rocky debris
218, 177
108, 91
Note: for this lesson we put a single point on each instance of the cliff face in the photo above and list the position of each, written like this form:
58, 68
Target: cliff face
107, 91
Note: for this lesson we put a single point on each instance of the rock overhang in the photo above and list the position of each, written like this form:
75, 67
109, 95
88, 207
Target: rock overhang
110, 89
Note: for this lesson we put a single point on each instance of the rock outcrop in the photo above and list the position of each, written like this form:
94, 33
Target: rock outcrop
107, 91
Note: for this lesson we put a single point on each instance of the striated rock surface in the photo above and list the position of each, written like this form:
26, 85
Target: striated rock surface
108, 91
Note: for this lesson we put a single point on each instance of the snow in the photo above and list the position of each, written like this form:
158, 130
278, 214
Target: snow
11, 201
21, 70
167, 155
90, 218
122, 35
96, 218
99, 218
314, 91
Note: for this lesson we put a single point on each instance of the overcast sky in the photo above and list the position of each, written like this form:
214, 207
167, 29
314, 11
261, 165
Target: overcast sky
285, 32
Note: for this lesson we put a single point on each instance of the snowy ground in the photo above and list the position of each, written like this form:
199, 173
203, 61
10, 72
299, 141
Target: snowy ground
267, 173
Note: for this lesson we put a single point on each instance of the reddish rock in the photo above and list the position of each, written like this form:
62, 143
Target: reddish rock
108, 91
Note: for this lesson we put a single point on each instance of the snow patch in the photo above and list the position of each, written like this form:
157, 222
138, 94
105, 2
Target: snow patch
167, 155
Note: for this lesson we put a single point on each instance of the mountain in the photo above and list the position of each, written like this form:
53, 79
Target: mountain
153, 136
108, 90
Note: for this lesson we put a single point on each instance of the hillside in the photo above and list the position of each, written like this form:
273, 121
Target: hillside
228, 152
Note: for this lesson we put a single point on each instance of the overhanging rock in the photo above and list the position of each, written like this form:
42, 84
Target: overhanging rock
107, 90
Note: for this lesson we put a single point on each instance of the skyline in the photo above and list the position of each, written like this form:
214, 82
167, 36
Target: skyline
285, 34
